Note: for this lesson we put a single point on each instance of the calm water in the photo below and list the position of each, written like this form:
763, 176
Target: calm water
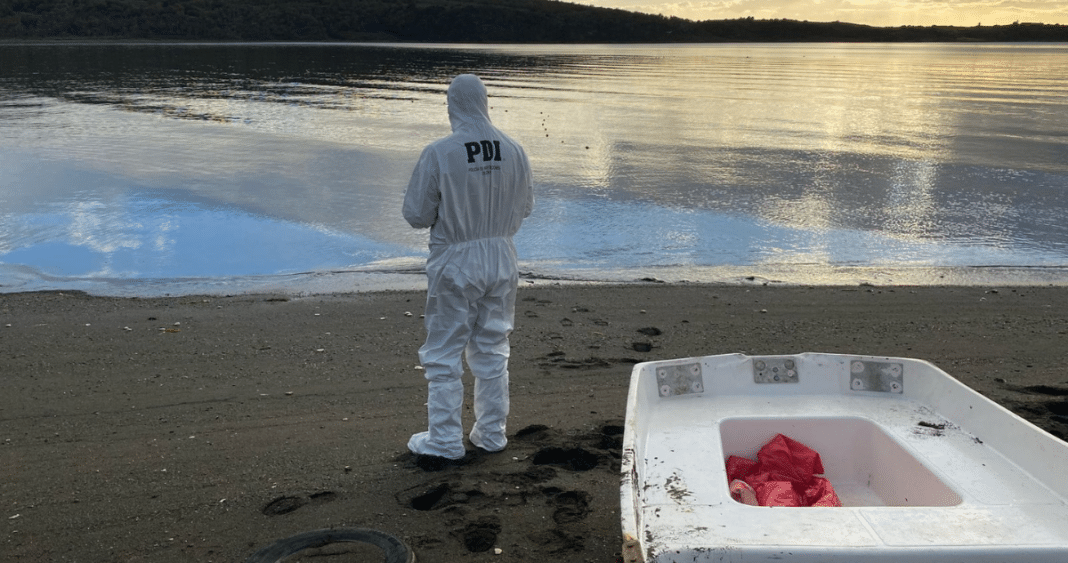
147, 169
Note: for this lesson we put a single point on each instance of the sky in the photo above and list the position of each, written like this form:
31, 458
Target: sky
964, 13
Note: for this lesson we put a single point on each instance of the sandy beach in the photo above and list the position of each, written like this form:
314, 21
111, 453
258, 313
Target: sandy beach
205, 428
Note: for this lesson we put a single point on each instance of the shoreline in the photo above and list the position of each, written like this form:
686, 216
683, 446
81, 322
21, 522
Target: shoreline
15, 279
203, 428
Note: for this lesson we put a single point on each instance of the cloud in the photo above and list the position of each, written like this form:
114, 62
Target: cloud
871, 12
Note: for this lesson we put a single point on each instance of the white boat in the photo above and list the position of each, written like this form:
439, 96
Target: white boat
926, 468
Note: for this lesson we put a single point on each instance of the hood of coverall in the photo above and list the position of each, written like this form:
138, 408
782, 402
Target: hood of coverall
468, 102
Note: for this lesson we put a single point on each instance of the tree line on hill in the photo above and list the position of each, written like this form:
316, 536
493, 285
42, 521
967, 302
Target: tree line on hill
446, 21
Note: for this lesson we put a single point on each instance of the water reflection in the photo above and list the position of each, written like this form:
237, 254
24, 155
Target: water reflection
114, 160
145, 235
910, 199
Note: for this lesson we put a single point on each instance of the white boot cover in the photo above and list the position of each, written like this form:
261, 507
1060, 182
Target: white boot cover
445, 435
491, 413
487, 355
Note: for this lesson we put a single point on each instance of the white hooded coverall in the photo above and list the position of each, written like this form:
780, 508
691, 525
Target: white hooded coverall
472, 189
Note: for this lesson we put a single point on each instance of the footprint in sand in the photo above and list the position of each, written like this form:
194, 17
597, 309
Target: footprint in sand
290, 503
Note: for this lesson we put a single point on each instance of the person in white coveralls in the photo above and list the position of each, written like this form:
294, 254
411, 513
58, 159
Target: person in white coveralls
472, 189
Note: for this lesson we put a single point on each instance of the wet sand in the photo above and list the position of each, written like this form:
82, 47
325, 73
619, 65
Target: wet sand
205, 428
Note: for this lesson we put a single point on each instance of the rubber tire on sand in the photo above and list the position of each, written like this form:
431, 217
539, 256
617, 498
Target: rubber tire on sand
395, 550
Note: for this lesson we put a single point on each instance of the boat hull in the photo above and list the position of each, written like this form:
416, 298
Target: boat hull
926, 468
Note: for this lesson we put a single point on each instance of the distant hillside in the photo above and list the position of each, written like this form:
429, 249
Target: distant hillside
448, 21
